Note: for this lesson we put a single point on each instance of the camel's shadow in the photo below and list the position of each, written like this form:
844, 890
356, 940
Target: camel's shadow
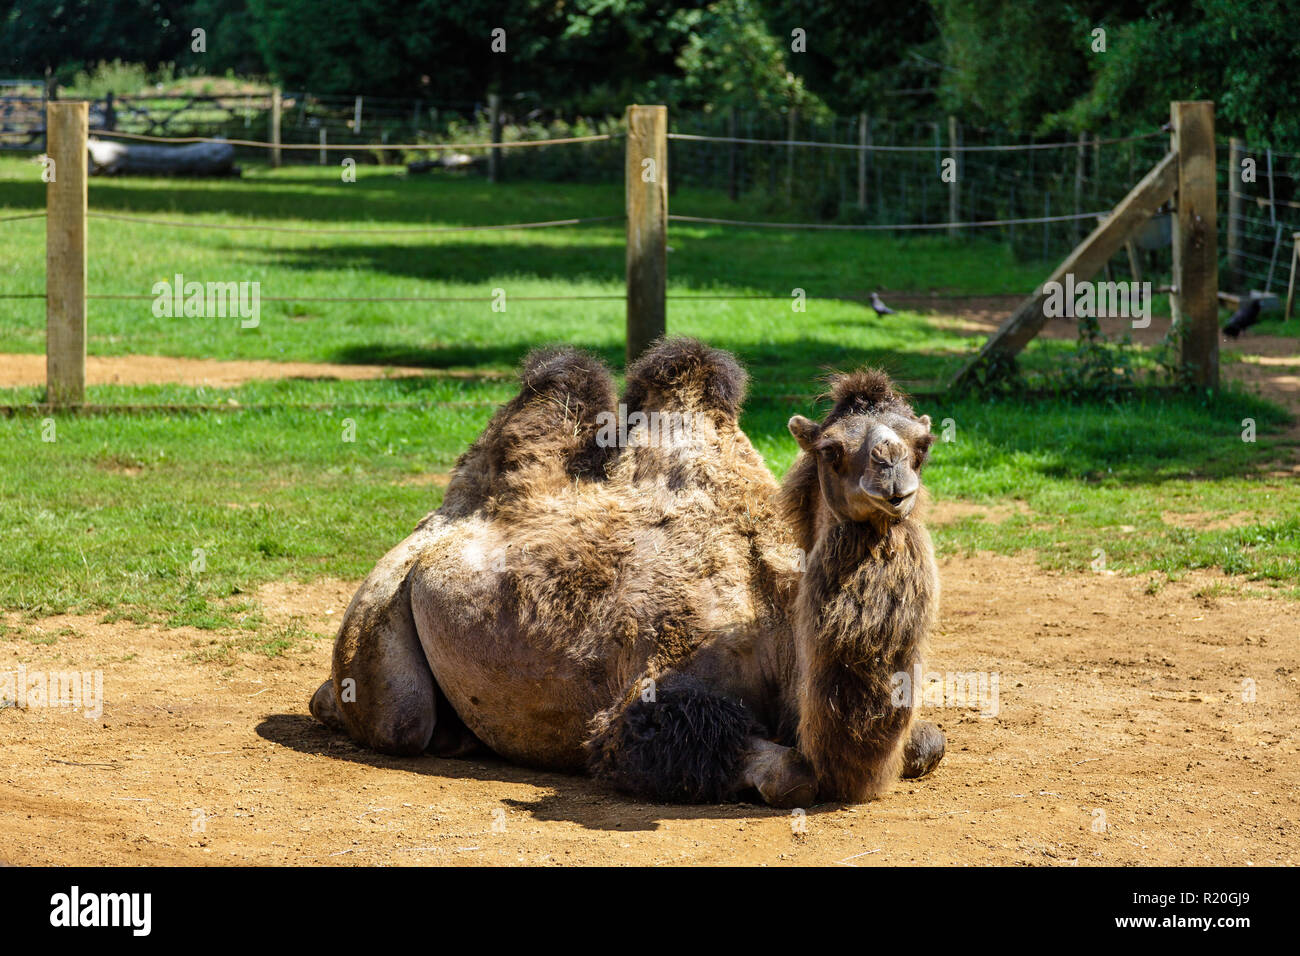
574, 799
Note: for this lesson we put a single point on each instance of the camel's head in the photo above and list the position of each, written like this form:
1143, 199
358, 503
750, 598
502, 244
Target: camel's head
868, 451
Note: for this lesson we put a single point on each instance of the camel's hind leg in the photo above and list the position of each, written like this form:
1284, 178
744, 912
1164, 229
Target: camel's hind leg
381, 691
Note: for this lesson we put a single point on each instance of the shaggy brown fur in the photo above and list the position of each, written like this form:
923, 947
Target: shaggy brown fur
632, 608
867, 602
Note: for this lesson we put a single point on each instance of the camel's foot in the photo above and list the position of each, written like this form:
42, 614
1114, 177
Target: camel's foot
924, 749
779, 774
325, 708
403, 728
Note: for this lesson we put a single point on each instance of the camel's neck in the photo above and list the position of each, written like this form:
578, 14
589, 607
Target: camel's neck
866, 603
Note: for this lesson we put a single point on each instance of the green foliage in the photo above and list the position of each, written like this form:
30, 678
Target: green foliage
858, 52
1239, 53
732, 60
118, 78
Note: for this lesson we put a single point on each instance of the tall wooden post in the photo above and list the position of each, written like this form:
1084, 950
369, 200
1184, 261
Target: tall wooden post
646, 172
494, 120
954, 187
1196, 255
1234, 212
66, 125
276, 109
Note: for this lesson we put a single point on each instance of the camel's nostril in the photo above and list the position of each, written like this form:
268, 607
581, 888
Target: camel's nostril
897, 500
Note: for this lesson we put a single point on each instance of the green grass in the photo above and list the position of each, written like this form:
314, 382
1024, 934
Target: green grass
108, 516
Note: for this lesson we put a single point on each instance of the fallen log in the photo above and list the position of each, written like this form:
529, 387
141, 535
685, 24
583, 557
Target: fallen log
109, 158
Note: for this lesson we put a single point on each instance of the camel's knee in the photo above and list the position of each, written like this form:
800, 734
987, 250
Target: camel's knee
780, 774
923, 750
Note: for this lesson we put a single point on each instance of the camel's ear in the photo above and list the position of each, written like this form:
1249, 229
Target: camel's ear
921, 453
805, 432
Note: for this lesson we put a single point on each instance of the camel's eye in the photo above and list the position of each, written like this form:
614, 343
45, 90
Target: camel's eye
832, 453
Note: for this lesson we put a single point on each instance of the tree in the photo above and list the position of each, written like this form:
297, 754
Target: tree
859, 52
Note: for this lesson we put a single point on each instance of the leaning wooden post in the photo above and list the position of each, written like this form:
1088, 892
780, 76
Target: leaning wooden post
954, 187
646, 174
277, 105
66, 125
1234, 212
494, 121
1196, 254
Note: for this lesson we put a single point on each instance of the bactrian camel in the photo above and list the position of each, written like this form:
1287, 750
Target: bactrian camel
650, 605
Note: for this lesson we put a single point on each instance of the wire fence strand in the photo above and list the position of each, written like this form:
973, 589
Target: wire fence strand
421, 230
355, 147
846, 227
872, 148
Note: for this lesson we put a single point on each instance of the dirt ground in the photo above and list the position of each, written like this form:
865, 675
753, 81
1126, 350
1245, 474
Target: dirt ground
1122, 736
1129, 729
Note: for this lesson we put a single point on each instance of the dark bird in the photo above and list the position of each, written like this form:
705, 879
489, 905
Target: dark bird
1242, 319
879, 305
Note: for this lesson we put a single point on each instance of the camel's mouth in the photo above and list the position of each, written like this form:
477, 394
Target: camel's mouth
896, 506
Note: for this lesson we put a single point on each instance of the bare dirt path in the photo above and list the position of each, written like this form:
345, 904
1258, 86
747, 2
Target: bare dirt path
1124, 734
18, 370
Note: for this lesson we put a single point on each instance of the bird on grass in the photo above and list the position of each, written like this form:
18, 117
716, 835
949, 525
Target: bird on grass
878, 304
1242, 319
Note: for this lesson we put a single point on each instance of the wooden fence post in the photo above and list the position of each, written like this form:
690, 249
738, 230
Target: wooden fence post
276, 109
494, 120
1234, 212
646, 171
66, 125
1196, 255
954, 187
323, 144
